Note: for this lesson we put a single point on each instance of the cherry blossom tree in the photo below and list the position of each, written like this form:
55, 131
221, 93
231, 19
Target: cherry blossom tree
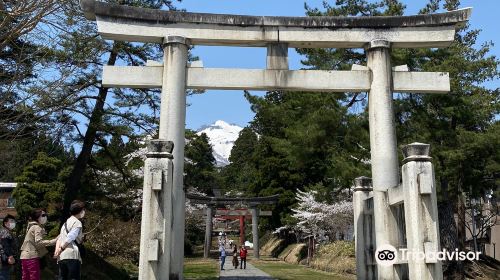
322, 220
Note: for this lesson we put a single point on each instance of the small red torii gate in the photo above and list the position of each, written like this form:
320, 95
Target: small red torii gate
252, 202
241, 214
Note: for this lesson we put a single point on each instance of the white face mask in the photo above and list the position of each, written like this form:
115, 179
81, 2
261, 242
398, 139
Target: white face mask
43, 220
82, 214
11, 225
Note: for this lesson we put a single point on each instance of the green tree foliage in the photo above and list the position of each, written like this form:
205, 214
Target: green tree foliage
15, 154
113, 179
200, 163
67, 95
194, 233
83, 100
40, 185
462, 127
311, 139
243, 146
201, 175
448, 122
241, 174
305, 140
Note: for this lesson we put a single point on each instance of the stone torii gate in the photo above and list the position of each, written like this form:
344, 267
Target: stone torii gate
251, 202
162, 228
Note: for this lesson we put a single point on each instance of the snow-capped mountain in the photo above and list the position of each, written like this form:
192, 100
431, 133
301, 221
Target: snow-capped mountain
221, 136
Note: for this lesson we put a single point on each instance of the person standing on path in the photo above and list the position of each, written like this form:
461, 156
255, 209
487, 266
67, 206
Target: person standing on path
9, 247
243, 257
67, 251
235, 256
34, 244
222, 251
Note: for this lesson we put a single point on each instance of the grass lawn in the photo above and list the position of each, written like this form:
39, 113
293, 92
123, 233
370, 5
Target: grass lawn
285, 271
200, 269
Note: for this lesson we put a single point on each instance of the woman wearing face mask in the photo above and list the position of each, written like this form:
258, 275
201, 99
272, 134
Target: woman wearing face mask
67, 252
33, 247
9, 246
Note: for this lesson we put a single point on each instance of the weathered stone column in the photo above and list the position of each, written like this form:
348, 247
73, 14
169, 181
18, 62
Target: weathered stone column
255, 231
156, 222
362, 189
277, 56
384, 158
172, 128
208, 232
421, 214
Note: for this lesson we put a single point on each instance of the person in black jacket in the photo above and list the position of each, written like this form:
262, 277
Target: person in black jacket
235, 256
8, 247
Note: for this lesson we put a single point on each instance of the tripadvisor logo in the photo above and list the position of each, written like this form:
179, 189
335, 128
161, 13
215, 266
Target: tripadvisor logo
387, 255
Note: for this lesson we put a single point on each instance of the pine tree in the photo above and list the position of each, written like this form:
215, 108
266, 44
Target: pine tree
461, 126
241, 174
41, 185
69, 91
200, 163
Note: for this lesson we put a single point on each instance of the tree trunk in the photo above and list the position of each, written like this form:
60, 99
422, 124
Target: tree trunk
448, 231
73, 184
461, 227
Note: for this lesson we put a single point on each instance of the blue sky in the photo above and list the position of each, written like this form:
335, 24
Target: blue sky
231, 106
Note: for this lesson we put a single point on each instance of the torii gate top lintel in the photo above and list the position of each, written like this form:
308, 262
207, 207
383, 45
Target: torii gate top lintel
250, 201
93, 8
125, 23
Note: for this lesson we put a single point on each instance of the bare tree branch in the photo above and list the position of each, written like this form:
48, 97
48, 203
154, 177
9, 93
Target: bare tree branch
21, 16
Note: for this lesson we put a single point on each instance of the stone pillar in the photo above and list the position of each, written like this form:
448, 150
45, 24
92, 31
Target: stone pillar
172, 128
156, 222
255, 231
208, 232
362, 190
384, 158
277, 56
421, 215
242, 230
